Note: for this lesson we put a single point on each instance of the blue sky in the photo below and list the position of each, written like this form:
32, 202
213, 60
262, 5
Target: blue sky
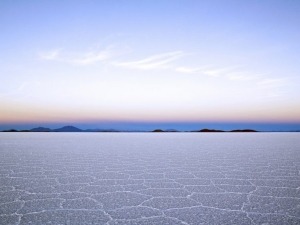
143, 62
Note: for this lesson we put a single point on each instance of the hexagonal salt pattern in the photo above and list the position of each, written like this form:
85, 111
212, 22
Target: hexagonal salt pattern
149, 178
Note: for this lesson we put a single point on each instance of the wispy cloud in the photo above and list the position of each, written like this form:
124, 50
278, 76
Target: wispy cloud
50, 55
235, 73
93, 57
23, 90
244, 76
219, 71
108, 55
190, 70
207, 70
271, 82
272, 87
86, 58
160, 61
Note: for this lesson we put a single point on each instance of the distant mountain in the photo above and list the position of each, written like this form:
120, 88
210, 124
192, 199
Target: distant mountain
40, 129
108, 130
68, 129
210, 130
171, 130
167, 130
158, 130
11, 130
101, 130
213, 130
244, 130
75, 129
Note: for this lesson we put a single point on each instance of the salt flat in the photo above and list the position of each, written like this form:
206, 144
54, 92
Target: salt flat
149, 178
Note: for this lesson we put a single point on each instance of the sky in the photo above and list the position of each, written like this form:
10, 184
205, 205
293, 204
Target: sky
141, 64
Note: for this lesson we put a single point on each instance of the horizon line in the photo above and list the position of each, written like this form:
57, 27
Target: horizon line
168, 130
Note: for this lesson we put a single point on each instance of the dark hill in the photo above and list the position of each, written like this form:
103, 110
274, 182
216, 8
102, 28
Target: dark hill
171, 130
101, 130
40, 129
210, 130
158, 130
68, 129
11, 130
244, 130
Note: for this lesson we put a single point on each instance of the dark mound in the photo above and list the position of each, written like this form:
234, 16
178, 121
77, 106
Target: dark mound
40, 129
171, 130
11, 130
68, 129
210, 130
158, 130
244, 130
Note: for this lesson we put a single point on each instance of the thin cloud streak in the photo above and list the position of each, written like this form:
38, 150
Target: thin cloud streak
88, 58
160, 61
167, 61
230, 72
22, 91
271, 82
191, 70
219, 71
243, 76
50, 55
206, 70
260, 80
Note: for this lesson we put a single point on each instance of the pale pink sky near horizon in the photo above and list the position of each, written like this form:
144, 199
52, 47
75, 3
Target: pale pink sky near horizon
175, 60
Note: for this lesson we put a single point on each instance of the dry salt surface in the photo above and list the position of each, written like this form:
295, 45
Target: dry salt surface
150, 178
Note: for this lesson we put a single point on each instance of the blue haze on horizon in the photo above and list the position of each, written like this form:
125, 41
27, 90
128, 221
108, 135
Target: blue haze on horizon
141, 64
